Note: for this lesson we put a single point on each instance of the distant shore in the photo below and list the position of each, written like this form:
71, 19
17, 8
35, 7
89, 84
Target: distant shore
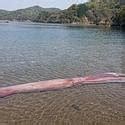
64, 24
28, 22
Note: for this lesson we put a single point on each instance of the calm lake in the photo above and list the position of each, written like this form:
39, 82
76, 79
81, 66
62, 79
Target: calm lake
35, 52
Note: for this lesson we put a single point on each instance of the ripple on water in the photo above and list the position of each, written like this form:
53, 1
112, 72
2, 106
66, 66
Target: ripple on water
83, 105
30, 53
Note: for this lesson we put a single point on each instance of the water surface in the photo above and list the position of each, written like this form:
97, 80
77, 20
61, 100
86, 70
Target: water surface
38, 52
35, 52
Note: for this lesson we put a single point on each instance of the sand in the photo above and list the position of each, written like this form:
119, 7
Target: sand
102, 104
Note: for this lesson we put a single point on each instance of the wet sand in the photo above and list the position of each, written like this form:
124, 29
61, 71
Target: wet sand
102, 104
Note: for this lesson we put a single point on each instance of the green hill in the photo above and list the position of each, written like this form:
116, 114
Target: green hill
99, 12
30, 13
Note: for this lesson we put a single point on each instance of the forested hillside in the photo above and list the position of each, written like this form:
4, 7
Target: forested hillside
99, 12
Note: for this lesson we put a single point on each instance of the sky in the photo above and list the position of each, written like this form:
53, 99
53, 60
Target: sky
18, 4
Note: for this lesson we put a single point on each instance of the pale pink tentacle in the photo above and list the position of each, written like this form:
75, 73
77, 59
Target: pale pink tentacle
62, 83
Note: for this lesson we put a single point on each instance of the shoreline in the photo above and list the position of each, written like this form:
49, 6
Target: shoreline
64, 24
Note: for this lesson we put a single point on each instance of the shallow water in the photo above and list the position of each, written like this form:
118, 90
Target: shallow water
82, 105
37, 52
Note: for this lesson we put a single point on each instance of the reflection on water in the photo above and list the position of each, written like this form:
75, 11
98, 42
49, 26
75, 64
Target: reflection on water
31, 53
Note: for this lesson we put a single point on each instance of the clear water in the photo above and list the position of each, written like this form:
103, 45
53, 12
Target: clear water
35, 52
